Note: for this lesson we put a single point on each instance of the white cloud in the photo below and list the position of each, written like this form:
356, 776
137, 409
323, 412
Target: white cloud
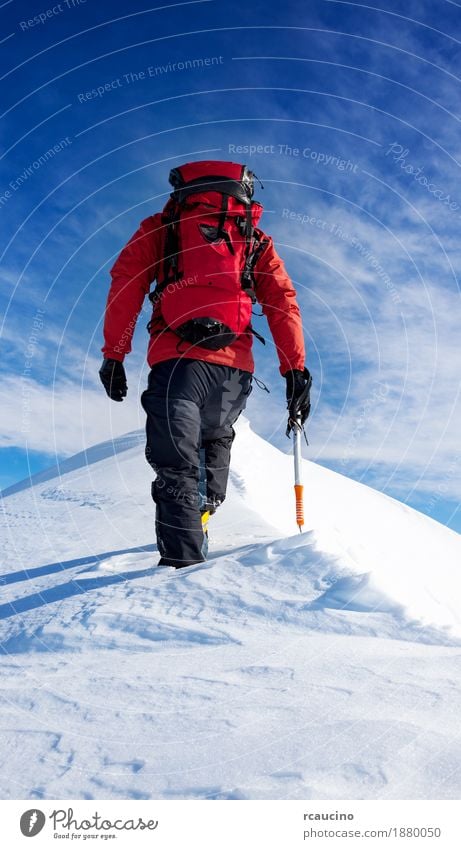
64, 419
386, 367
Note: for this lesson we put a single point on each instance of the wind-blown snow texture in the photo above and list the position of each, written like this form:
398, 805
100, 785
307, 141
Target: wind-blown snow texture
322, 665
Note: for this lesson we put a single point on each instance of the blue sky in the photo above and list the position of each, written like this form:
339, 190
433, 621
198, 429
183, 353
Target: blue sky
355, 112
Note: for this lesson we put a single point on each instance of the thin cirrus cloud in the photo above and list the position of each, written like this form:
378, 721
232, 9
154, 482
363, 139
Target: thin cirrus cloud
400, 337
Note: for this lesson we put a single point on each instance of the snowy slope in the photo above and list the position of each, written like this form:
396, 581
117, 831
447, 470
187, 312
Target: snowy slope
321, 665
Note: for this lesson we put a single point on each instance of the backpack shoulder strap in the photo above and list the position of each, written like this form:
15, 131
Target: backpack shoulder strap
259, 243
170, 221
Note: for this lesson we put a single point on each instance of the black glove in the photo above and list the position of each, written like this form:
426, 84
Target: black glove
298, 396
113, 378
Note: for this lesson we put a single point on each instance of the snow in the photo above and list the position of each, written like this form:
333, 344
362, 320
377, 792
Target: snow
322, 665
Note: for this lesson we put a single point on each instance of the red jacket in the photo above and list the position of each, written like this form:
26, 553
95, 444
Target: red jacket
136, 268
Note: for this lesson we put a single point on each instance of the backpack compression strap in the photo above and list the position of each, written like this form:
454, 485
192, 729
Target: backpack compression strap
223, 185
170, 259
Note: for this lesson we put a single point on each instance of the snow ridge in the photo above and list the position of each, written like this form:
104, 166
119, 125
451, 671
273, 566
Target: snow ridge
314, 665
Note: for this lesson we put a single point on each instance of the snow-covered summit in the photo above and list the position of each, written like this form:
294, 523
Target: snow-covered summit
315, 665
98, 501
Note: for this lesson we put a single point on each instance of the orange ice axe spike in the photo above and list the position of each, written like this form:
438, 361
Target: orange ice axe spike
297, 430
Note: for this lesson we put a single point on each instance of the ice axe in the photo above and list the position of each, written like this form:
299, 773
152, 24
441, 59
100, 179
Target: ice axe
298, 396
297, 430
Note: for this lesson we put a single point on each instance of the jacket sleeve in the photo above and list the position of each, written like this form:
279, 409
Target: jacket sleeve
277, 296
132, 274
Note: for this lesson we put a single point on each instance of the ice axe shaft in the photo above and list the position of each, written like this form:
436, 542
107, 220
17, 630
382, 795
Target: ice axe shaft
298, 477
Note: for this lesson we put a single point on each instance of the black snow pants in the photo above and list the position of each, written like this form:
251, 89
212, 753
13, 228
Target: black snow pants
191, 406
